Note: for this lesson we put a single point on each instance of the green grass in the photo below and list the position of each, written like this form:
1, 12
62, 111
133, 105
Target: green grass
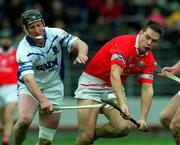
134, 138
127, 141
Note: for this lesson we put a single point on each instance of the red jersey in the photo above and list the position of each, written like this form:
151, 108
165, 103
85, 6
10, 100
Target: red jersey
122, 51
8, 67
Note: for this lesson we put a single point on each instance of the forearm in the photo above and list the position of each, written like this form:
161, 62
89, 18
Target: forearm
115, 74
146, 100
176, 68
34, 89
117, 88
81, 46
82, 49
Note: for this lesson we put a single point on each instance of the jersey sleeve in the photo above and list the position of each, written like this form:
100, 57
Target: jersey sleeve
146, 75
118, 55
25, 63
66, 39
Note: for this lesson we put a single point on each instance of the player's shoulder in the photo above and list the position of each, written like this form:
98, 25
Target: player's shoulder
23, 46
52, 31
23, 42
125, 38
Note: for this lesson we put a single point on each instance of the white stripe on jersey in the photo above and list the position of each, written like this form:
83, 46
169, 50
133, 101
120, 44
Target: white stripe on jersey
120, 57
145, 76
44, 61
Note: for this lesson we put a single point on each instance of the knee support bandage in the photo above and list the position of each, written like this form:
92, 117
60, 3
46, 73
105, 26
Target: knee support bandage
179, 93
46, 133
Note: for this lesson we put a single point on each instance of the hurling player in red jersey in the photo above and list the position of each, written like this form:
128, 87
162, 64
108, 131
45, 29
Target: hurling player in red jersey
107, 72
8, 84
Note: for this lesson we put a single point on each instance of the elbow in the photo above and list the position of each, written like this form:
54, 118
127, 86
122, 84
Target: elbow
115, 77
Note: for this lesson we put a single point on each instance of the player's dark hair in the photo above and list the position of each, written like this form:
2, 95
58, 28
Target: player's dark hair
155, 26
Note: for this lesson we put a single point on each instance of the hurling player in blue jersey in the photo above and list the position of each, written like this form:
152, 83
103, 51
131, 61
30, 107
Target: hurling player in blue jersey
39, 83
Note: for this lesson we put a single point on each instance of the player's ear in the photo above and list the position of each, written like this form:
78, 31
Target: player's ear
23, 28
141, 31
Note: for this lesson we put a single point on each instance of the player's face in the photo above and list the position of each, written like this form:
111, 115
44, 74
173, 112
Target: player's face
148, 40
5, 42
36, 29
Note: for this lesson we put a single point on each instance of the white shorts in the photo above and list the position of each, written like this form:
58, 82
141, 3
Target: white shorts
8, 93
93, 88
54, 92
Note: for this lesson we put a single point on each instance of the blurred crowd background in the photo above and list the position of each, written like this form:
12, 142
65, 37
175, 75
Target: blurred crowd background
97, 21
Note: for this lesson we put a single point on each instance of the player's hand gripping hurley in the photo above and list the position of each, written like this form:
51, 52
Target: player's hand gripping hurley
169, 75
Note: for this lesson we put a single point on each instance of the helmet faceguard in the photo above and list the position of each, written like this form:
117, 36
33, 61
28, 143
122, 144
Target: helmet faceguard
30, 17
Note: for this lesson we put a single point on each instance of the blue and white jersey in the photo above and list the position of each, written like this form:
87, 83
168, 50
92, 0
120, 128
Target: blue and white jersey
44, 61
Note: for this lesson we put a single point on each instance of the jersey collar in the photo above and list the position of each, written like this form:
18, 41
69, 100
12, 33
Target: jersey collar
137, 46
31, 42
8, 51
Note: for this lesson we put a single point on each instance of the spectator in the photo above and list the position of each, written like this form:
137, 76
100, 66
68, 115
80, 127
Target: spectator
111, 10
173, 28
157, 16
93, 9
58, 12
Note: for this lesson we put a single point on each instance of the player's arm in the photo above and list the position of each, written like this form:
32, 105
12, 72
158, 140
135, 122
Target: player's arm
82, 49
175, 69
37, 93
115, 74
146, 100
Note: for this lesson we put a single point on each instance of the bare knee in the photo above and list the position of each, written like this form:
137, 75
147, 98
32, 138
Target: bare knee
165, 119
122, 130
24, 122
87, 136
175, 128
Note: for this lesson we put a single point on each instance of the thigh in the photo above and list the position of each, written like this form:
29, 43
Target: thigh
49, 120
10, 108
176, 117
172, 106
27, 107
115, 118
87, 118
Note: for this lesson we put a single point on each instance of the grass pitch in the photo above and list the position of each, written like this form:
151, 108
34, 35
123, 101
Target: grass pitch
134, 138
